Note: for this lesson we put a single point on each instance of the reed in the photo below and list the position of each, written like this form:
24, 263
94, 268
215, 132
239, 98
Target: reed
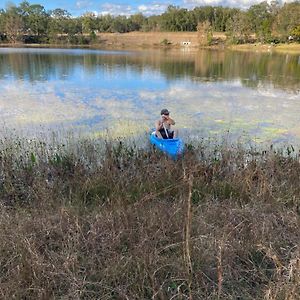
100, 219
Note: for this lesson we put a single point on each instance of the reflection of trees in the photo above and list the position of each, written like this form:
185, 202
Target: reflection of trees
35, 66
253, 69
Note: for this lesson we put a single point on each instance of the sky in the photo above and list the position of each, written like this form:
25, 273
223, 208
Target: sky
128, 7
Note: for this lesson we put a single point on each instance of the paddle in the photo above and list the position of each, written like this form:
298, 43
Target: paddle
166, 131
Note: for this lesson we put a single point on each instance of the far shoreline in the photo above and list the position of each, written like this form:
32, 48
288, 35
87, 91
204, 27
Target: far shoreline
183, 41
292, 48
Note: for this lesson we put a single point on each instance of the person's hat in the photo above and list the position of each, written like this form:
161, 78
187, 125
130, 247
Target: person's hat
164, 112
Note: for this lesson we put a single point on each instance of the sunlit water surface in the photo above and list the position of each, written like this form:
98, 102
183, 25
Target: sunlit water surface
253, 95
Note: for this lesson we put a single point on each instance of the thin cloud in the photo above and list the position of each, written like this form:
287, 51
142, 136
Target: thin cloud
226, 3
152, 9
83, 4
116, 9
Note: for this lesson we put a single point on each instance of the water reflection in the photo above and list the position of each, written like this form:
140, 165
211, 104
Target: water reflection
257, 93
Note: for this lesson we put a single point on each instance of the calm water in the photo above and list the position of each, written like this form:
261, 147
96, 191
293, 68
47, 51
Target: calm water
208, 92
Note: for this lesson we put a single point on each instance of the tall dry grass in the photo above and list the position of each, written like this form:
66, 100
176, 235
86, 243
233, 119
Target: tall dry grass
94, 219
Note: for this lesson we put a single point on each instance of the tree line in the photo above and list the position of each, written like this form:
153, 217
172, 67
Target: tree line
267, 22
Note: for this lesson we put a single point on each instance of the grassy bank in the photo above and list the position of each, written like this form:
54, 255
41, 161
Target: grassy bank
94, 219
293, 48
132, 42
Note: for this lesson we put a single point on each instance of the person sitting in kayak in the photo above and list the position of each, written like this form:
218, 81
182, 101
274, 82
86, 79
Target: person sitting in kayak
163, 126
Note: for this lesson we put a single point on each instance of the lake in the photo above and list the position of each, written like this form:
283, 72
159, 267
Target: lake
209, 92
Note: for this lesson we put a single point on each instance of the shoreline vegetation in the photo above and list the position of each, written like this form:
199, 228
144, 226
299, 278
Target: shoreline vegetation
102, 219
155, 40
107, 219
203, 26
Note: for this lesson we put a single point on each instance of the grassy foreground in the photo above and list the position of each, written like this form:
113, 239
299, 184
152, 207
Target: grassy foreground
101, 220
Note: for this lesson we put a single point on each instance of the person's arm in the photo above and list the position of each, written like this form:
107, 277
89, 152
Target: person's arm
171, 121
158, 127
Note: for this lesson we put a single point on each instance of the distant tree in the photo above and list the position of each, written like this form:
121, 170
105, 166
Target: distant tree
216, 16
59, 21
274, 7
171, 19
261, 20
13, 25
59, 14
287, 19
153, 23
35, 18
296, 33
74, 26
204, 31
119, 24
204, 13
75, 36
228, 14
2, 21
59, 24
239, 28
103, 23
88, 21
136, 22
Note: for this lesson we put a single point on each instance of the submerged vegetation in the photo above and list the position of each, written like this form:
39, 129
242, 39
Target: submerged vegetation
96, 219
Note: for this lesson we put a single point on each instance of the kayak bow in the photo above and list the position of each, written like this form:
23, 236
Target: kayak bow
172, 147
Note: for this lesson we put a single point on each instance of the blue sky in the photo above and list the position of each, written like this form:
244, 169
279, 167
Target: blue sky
128, 7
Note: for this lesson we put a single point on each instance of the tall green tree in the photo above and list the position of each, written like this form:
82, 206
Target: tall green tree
136, 22
296, 33
58, 25
103, 23
74, 26
35, 18
59, 21
153, 23
173, 19
261, 20
119, 24
88, 21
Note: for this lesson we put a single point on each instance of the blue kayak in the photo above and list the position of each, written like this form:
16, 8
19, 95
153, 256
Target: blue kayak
172, 147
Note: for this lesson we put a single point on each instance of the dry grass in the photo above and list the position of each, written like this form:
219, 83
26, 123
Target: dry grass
100, 220
293, 48
288, 48
148, 39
